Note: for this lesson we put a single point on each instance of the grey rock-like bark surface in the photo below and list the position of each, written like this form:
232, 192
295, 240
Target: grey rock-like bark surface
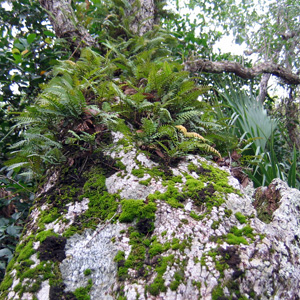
193, 252
65, 23
144, 16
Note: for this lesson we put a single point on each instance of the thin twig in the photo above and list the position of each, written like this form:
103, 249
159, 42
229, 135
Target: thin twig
75, 50
4, 176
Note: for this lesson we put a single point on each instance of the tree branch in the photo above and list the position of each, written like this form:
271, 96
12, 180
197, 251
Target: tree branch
202, 65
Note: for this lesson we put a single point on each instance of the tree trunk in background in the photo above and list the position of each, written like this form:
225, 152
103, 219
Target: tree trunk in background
144, 16
65, 23
292, 117
263, 88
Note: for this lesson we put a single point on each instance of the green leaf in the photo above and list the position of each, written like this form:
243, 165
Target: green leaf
48, 40
49, 33
31, 37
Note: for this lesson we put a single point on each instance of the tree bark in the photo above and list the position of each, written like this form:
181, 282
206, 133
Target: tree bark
202, 65
65, 23
144, 16
292, 117
263, 87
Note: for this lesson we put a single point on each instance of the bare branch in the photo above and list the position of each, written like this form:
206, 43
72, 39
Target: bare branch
202, 65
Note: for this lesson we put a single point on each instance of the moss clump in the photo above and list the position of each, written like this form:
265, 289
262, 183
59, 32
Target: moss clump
145, 182
235, 240
82, 293
102, 205
217, 293
245, 231
157, 286
215, 224
172, 196
41, 236
140, 173
49, 216
179, 277
132, 209
87, 272
25, 251
196, 216
6, 283
155, 248
236, 236
241, 218
70, 231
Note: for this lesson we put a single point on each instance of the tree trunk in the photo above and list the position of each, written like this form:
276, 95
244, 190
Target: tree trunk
292, 116
144, 16
100, 231
157, 242
65, 23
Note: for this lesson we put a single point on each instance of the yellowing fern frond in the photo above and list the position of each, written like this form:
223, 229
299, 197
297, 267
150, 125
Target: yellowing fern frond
189, 134
204, 146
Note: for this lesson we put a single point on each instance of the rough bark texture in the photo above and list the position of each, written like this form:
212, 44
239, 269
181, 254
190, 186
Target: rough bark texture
202, 65
144, 16
292, 124
65, 24
263, 87
209, 245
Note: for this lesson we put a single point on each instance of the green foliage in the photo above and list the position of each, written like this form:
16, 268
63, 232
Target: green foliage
257, 128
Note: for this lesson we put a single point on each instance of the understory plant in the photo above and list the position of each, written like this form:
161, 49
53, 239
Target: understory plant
257, 129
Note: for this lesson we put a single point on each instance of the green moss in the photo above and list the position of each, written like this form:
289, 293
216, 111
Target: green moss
228, 212
217, 293
87, 272
132, 209
236, 240
164, 233
172, 196
82, 293
41, 236
176, 179
120, 165
163, 264
215, 224
120, 256
174, 285
241, 218
25, 252
184, 221
6, 283
156, 173
179, 245
155, 248
157, 286
179, 277
70, 231
196, 216
140, 173
245, 231
18, 287
145, 182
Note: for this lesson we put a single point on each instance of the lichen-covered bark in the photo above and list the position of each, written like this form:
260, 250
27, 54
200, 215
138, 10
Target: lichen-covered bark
65, 23
186, 232
144, 16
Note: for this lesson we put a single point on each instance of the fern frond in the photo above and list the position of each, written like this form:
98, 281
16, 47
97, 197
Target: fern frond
208, 148
189, 134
